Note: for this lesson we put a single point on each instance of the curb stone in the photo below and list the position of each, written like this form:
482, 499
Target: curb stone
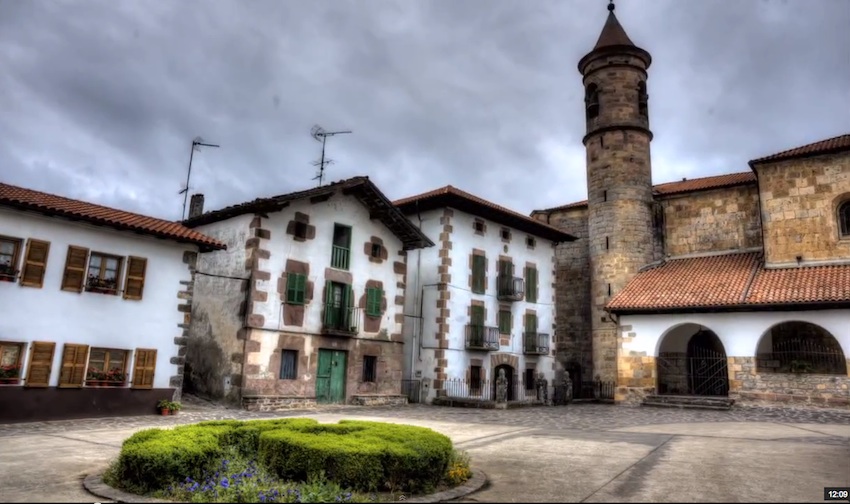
95, 485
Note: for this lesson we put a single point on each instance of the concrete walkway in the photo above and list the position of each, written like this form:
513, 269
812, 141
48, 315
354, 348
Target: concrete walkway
692, 461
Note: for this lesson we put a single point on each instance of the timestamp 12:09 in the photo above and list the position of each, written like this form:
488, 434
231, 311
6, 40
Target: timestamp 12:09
836, 493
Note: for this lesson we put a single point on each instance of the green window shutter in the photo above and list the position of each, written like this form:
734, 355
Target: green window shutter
479, 273
531, 285
530, 323
477, 315
504, 322
348, 302
296, 286
330, 312
374, 297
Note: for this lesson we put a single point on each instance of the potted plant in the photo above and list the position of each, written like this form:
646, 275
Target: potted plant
8, 273
10, 374
95, 377
115, 377
174, 407
102, 285
164, 407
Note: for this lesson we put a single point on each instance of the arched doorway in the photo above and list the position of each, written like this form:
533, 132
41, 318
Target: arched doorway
800, 347
573, 370
692, 361
510, 375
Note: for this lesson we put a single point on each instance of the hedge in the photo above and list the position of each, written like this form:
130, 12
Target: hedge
361, 455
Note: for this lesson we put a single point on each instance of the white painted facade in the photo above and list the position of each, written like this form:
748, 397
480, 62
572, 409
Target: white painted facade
423, 278
52, 315
741, 333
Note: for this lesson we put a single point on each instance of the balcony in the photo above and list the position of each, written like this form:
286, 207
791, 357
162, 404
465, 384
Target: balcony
339, 257
340, 320
479, 337
534, 343
510, 288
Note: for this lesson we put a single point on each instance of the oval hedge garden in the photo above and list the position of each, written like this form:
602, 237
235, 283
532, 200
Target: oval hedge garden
286, 460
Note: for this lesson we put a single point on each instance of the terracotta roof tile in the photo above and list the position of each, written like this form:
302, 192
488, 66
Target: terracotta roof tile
836, 144
51, 204
810, 284
453, 197
683, 186
730, 280
689, 283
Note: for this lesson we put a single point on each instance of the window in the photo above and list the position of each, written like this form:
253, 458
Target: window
296, 288
10, 248
531, 323
591, 101
479, 273
374, 300
103, 273
35, 263
10, 361
41, 364
300, 230
339, 307
478, 226
475, 379
289, 364
505, 321
477, 317
376, 250
370, 368
341, 249
844, 219
531, 285
506, 234
107, 366
529, 379
642, 99
530, 242
134, 285
73, 365
144, 368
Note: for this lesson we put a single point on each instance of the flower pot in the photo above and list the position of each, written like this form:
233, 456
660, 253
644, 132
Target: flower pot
174, 411
8, 381
165, 412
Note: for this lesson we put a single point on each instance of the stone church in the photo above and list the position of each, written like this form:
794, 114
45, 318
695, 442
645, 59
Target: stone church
730, 287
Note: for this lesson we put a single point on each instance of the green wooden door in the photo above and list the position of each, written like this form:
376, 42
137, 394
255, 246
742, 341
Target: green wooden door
330, 376
477, 323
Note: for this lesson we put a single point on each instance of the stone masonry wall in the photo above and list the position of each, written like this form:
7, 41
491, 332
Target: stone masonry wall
800, 199
824, 390
636, 372
717, 220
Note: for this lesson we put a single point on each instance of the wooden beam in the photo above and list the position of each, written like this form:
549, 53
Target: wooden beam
318, 198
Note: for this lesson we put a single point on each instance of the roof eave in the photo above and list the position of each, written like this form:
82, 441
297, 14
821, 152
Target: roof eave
771, 160
736, 307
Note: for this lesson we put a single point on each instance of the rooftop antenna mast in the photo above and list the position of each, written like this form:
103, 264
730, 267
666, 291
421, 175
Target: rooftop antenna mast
319, 134
196, 144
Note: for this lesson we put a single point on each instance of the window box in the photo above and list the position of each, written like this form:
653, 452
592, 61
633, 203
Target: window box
101, 285
8, 273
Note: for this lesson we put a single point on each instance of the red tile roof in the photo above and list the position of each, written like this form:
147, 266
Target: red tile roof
452, 197
683, 186
59, 206
836, 144
728, 281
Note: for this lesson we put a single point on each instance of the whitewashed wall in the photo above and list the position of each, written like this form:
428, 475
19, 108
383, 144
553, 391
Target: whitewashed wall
739, 332
50, 314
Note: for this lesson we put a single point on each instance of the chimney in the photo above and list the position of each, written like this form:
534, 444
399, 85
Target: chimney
196, 205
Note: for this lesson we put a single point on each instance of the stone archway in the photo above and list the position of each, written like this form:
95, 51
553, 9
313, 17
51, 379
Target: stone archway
692, 361
510, 374
800, 347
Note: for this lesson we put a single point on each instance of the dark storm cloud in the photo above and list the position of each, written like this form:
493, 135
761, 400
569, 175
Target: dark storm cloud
101, 99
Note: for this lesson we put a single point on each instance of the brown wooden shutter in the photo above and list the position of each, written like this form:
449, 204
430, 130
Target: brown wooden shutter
135, 284
144, 367
75, 269
74, 359
35, 263
41, 363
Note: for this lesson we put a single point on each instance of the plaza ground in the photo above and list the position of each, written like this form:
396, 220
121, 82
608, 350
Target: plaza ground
578, 453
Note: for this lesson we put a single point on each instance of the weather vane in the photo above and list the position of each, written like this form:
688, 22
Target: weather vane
318, 133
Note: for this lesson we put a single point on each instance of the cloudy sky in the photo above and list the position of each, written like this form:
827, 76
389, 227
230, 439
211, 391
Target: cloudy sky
100, 100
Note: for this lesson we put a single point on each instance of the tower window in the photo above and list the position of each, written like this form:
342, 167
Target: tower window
642, 99
844, 219
591, 101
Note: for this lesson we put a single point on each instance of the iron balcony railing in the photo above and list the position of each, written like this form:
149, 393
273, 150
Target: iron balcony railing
340, 257
479, 337
340, 320
510, 288
535, 343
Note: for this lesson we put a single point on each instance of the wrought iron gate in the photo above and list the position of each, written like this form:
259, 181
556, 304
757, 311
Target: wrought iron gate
701, 371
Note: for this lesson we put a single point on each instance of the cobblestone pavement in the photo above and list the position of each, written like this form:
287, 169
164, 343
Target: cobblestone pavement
591, 417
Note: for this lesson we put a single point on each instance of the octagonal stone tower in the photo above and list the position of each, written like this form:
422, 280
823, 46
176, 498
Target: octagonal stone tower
619, 178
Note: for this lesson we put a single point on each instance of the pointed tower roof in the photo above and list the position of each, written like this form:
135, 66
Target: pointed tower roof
613, 33
614, 39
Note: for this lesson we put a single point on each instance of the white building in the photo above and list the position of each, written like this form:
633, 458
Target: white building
305, 305
94, 299
481, 301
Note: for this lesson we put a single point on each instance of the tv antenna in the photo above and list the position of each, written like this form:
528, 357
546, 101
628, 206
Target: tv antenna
196, 145
319, 134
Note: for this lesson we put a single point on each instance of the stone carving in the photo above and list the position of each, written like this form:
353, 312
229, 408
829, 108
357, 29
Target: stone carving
501, 387
568, 389
542, 389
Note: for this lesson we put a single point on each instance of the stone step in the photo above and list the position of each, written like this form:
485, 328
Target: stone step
690, 402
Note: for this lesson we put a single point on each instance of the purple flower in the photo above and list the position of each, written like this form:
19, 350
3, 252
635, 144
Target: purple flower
225, 483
